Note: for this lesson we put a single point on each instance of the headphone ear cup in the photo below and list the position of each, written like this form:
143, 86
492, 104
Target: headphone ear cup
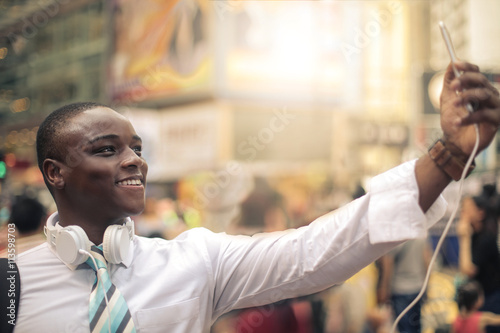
116, 243
70, 241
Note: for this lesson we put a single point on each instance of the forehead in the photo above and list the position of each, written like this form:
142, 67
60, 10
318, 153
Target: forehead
98, 122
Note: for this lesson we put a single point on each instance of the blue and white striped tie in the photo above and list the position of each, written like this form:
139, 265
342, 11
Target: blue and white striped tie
121, 320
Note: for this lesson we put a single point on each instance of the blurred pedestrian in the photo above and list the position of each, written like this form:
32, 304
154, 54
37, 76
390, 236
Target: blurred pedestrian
470, 298
479, 258
402, 276
263, 211
28, 216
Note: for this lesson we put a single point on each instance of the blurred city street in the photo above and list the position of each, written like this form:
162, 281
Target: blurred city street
255, 116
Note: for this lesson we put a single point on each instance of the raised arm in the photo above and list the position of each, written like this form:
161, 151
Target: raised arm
456, 123
489, 319
464, 233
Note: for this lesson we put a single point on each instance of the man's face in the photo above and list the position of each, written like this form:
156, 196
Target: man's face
105, 175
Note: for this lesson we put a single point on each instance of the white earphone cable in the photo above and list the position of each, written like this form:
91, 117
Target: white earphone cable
445, 232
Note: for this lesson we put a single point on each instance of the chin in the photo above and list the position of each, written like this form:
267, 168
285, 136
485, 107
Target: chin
133, 208
137, 211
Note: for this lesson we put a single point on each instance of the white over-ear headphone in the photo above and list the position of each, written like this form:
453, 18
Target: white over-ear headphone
69, 241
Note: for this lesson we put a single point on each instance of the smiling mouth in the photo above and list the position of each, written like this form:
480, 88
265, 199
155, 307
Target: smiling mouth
130, 182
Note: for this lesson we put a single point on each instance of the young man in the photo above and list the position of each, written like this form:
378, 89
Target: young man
91, 160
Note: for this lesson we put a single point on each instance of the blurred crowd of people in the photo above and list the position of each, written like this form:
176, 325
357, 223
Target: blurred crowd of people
479, 257
368, 302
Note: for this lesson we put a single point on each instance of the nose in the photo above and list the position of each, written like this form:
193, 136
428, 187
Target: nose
131, 159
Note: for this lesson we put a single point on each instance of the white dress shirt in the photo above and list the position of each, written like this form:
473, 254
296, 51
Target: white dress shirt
185, 284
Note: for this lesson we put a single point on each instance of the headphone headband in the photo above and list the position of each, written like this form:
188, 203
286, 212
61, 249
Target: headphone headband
68, 241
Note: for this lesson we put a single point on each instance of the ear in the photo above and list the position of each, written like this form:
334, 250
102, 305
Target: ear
52, 170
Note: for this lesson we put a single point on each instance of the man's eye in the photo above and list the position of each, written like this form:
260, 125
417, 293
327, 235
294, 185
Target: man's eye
138, 150
106, 149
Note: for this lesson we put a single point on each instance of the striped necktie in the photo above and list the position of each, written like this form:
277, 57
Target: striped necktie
121, 320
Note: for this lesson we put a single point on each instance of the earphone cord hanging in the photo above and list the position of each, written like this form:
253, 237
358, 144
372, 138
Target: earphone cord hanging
445, 232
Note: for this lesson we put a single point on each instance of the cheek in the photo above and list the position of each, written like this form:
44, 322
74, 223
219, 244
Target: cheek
101, 175
98, 177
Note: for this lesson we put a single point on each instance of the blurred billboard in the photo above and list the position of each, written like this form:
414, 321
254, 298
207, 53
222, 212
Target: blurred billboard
160, 50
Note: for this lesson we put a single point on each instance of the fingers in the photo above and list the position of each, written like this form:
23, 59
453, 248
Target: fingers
461, 66
466, 66
478, 98
474, 88
470, 80
485, 103
487, 116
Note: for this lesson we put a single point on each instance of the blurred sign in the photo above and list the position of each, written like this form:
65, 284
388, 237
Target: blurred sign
189, 141
383, 134
298, 51
281, 134
160, 50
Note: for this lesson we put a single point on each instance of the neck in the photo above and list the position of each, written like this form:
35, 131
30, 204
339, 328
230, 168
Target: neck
465, 313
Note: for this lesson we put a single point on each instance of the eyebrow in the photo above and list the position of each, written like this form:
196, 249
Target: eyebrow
112, 136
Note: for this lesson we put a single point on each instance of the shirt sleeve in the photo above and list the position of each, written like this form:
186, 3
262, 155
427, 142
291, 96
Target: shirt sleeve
394, 213
265, 268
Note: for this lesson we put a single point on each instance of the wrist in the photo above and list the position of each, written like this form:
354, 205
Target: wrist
450, 159
455, 149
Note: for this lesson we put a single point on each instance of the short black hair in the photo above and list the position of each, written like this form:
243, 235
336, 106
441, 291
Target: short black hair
27, 214
481, 202
48, 138
468, 294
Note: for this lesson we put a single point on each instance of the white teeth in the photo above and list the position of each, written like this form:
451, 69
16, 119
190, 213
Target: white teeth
130, 182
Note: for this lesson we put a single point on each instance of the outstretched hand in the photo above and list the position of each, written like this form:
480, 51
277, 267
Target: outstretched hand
474, 88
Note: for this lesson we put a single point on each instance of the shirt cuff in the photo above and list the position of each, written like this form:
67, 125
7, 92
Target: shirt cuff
393, 212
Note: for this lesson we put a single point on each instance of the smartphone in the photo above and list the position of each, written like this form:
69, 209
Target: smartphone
451, 52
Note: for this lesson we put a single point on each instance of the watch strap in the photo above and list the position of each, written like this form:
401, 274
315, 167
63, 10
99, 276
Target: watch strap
450, 159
